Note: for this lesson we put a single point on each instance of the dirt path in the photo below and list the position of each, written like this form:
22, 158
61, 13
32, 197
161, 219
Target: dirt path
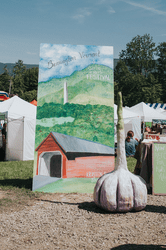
72, 221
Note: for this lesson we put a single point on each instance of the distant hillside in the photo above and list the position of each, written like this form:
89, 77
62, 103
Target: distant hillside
92, 85
11, 65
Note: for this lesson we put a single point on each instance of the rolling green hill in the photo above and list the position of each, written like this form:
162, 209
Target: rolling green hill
92, 85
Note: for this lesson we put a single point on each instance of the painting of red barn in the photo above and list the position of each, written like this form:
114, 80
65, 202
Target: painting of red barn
65, 156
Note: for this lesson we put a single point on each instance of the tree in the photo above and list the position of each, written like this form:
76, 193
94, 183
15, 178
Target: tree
122, 78
18, 78
25, 81
135, 87
31, 79
161, 67
139, 55
5, 80
30, 84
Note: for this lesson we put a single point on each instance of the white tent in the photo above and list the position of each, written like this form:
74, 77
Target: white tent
132, 122
21, 122
147, 113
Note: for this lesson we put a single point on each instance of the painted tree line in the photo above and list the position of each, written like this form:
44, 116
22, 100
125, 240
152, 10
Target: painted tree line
87, 124
140, 74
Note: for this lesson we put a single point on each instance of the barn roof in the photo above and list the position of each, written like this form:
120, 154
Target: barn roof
77, 145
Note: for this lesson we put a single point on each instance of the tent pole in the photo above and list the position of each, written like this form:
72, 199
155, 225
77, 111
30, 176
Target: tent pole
23, 141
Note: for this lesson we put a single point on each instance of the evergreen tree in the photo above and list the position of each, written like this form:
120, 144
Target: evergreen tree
5, 80
25, 81
18, 78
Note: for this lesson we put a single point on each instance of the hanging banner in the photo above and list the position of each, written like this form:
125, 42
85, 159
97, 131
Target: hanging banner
74, 141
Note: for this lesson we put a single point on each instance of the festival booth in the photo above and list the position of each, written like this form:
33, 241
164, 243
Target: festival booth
145, 161
21, 120
132, 122
147, 113
34, 102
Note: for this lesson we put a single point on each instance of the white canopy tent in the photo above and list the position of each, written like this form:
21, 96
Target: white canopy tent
132, 122
21, 122
147, 113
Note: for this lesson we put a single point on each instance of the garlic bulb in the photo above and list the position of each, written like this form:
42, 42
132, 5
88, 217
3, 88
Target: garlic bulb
120, 190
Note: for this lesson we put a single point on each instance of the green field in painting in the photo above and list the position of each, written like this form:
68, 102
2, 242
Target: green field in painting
92, 85
70, 185
90, 122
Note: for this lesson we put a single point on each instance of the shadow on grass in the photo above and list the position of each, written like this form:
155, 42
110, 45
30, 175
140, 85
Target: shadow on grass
138, 247
20, 183
92, 207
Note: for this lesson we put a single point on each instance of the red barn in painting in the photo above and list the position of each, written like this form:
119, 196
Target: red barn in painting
65, 156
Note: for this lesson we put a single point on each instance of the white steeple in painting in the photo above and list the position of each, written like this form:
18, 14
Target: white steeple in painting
65, 93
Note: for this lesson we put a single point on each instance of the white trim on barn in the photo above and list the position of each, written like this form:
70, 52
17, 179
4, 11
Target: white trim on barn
45, 162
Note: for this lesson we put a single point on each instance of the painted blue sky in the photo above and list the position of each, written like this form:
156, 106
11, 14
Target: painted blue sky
62, 60
27, 24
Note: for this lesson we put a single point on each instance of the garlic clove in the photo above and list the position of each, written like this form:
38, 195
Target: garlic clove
140, 192
97, 189
108, 196
125, 191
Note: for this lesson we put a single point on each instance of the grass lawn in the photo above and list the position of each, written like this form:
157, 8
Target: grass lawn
16, 182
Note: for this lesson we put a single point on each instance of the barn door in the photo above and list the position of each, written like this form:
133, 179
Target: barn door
55, 166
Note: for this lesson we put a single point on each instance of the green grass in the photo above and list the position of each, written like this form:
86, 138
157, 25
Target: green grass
19, 174
131, 162
16, 184
16, 178
16, 174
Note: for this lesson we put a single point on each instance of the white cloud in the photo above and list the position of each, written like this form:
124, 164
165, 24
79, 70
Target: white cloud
106, 50
111, 10
82, 14
159, 12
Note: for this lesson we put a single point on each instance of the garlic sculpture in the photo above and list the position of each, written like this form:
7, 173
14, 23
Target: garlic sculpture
120, 190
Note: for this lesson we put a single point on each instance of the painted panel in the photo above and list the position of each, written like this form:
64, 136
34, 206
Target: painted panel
76, 101
159, 168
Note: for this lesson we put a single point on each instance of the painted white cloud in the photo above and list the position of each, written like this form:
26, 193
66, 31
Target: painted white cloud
62, 60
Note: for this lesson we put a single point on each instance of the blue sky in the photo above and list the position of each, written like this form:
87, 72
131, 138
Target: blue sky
27, 24
62, 60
